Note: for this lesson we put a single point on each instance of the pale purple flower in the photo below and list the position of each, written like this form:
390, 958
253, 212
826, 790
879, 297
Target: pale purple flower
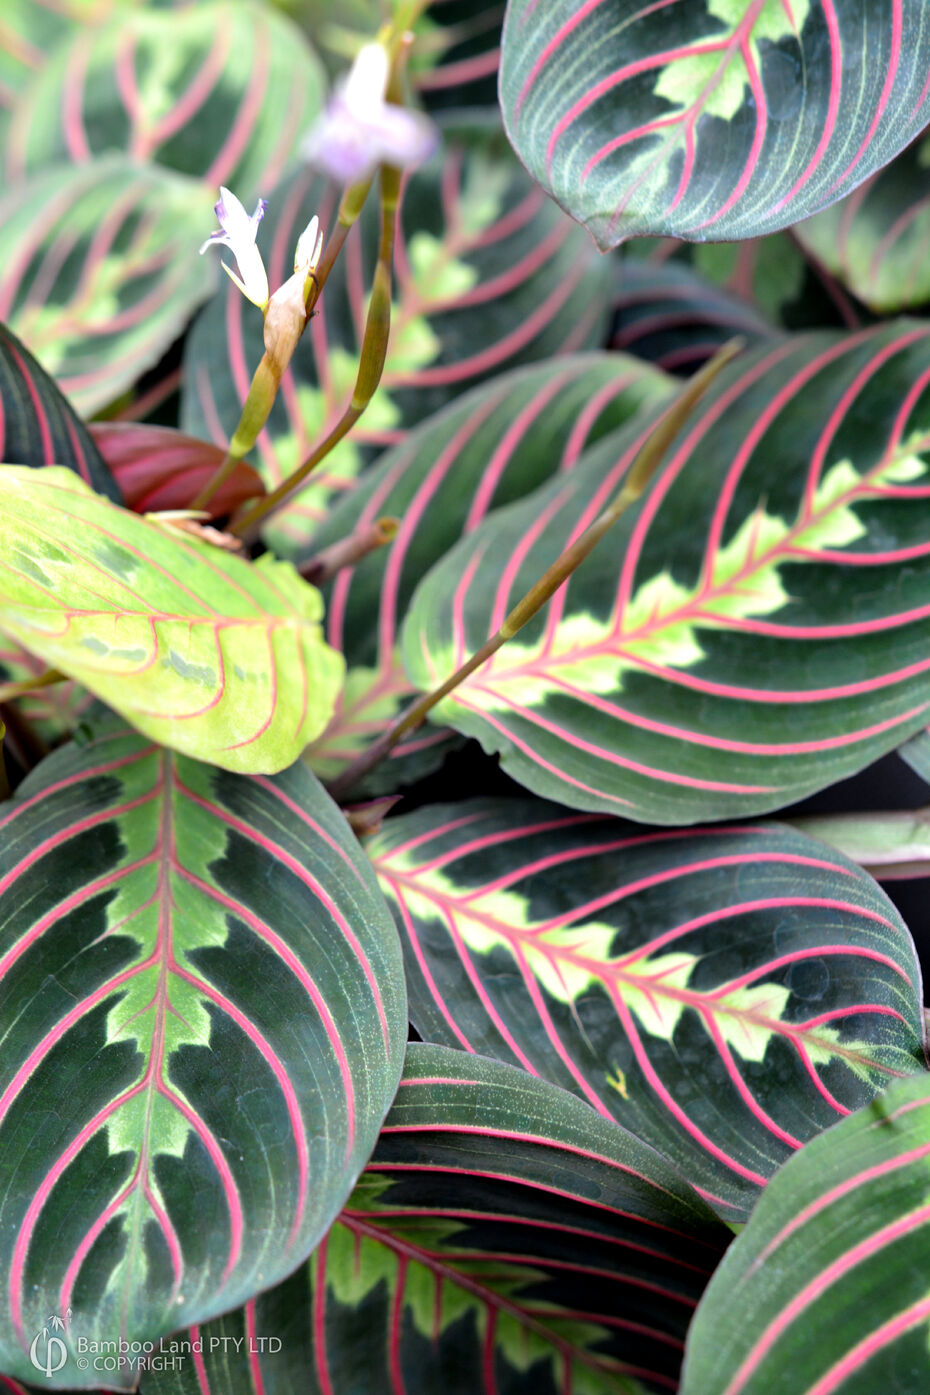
238, 231
360, 130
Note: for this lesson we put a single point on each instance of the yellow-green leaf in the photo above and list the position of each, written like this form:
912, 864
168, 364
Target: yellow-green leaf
202, 651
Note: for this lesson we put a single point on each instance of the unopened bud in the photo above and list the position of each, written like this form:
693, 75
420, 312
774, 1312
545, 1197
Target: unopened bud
285, 317
309, 247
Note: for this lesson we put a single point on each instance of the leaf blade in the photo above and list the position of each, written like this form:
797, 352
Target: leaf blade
217, 1018
762, 572
724, 994
725, 121
197, 648
99, 271
493, 445
230, 106
859, 1195
501, 1239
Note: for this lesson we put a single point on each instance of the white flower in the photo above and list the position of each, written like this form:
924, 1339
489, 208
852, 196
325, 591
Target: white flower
238, 232
360, 130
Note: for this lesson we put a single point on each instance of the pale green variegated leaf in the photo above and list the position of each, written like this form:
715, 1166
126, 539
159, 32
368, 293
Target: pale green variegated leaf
202, 1025
200, 650
755, 628
39, 427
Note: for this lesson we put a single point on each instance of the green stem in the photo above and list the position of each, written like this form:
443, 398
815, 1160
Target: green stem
267, 379
216, 481
348, 551
9, 691
639, 475
406, 15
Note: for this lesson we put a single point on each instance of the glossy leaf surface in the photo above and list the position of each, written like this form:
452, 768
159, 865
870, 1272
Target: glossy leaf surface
488, 276
204, 1011
720, 120
670, 316
222, 91
875, 241
755, 629
159, 468
200, 650
490, 447
99, 270
502, 1241
38, 426
723, 994
772, 275
463, 43
826, 1290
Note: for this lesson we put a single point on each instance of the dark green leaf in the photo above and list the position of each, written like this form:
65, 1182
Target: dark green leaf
221, 90
875, 241
723, 119
99, 270
38, 426
723, 994
494, 445
671, 316
826, 1291
755, 629
502, 1241
203, 1019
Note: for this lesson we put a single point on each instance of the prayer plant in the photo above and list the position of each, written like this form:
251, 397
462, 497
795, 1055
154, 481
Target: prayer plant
408, 644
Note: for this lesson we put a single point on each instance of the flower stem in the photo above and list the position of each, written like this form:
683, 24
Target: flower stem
267, 379
9, 691
407, 12
638, 477
370, 368
349, 551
